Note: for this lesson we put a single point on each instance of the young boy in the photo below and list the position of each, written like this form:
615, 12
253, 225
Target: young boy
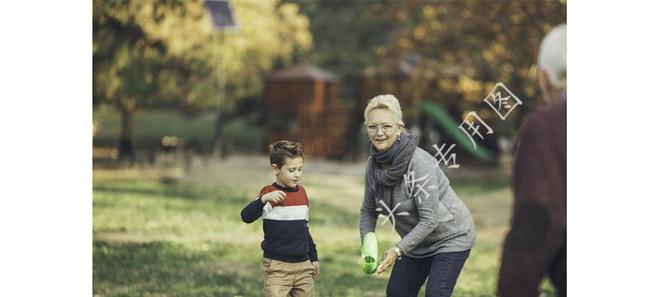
289, 260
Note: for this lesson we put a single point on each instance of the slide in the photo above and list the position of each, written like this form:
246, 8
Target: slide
450, 128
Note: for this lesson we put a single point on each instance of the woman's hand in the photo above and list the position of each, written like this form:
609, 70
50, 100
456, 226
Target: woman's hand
275, 197
389, 257
317, 269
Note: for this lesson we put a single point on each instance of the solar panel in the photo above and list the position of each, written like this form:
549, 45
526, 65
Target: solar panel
221, 13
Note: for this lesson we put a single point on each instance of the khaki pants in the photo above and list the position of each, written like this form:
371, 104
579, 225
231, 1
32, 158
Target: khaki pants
284, 278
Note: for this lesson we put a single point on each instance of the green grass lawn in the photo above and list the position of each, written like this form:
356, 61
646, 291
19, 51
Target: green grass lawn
187, 239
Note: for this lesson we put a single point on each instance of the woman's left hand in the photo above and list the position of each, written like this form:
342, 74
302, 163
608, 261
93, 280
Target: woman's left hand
389, 257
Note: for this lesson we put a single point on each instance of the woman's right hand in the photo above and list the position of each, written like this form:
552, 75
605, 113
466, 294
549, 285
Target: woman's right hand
389, 257
274, 197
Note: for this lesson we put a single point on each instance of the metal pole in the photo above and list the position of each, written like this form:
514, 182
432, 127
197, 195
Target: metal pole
218, 145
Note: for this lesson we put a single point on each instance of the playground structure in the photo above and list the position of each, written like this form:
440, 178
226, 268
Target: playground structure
302, 104
439, 115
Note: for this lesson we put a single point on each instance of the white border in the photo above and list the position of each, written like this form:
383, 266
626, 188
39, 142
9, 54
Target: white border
613, 214
46, 148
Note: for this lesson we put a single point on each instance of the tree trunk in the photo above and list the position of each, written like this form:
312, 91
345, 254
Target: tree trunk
126, 141
219, 145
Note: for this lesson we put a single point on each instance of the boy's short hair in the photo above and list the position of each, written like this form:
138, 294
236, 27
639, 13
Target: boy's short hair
280, 150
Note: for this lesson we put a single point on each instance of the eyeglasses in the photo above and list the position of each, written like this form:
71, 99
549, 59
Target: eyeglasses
387, 128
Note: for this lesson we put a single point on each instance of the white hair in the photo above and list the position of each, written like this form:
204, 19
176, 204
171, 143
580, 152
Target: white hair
386, 102
552, 56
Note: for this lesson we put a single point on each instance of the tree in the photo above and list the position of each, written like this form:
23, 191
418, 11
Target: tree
150, 53
348, 35
466, 47
452, 52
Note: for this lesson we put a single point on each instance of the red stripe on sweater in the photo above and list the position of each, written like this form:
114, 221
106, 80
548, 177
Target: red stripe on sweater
291, 198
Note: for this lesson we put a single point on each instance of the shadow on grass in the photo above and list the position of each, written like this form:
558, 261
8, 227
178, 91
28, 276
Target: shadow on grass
168, 191
142, 269
139, 269
180, 191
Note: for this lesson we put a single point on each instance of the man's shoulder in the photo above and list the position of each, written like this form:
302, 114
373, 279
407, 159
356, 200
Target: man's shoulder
553, 112
546, 125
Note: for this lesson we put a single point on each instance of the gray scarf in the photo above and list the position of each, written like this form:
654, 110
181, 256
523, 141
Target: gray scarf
382, 181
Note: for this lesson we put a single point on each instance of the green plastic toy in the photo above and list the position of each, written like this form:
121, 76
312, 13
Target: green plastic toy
370, 253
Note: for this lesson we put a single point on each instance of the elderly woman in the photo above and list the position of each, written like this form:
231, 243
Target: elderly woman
405, 183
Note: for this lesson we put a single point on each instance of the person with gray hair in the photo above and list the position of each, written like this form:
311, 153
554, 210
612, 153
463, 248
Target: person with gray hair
552, 64
404, 183
536, 243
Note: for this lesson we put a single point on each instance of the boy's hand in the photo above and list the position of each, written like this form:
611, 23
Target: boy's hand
317, 269
275, 197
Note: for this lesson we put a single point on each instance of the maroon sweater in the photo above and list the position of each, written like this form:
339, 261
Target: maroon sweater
536, 243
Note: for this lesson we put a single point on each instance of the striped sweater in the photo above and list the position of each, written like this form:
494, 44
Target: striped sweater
286, 234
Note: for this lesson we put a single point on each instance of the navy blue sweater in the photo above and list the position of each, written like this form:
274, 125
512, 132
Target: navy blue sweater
286, 234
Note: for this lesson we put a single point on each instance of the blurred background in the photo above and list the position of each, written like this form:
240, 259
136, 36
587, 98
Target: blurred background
188, 94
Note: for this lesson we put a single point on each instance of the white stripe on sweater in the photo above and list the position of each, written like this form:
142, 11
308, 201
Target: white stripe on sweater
285, 213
